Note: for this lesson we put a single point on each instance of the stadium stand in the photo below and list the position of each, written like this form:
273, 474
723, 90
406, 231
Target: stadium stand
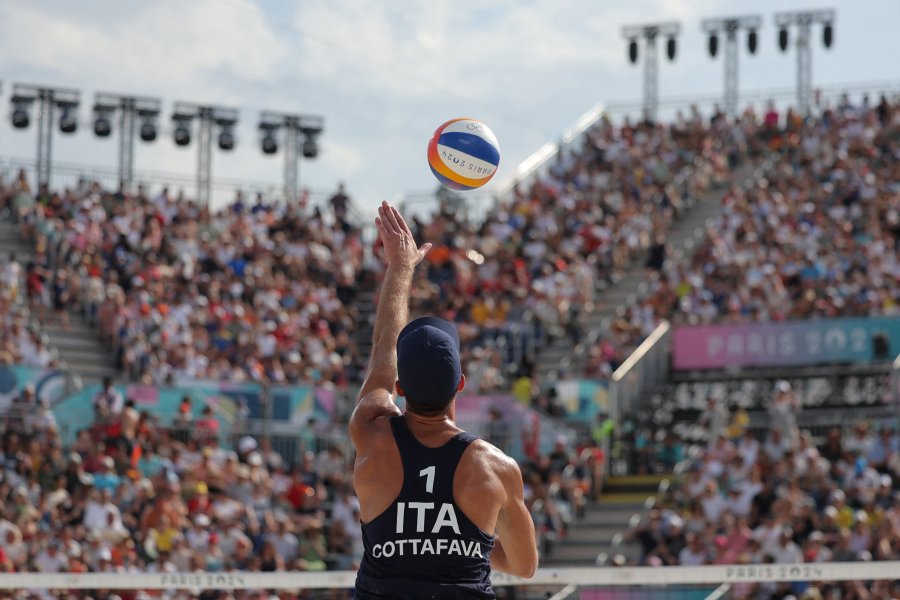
829, 187
251, 294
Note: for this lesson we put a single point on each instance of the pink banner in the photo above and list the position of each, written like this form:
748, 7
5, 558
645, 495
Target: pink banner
791, 343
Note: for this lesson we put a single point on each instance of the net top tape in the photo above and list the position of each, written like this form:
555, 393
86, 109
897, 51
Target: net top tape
587, 576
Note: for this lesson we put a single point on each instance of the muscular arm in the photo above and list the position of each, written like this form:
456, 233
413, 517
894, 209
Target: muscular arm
402, 256
515, 548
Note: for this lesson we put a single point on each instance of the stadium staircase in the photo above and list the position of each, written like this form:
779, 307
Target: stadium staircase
598, 536
556, 358
78, 348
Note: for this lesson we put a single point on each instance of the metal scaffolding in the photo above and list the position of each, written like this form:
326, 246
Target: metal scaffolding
48, 99
294, 126
650, 33
208, 117
130, 109
730, 27
804, 21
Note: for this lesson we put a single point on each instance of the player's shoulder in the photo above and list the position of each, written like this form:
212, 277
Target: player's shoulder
371, 433
493, 459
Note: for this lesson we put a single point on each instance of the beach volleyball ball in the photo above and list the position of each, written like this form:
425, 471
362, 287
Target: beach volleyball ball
463, 154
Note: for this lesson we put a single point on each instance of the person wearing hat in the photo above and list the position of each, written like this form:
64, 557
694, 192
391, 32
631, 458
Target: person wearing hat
439, 507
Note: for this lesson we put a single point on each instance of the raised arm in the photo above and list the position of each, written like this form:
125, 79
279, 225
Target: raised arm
401, 256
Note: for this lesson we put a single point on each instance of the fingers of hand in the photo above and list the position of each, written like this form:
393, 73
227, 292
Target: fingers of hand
387, 214
400, 221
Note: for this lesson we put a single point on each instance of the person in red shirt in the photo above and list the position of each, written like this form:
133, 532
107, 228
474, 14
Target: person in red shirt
299, 492
199, 502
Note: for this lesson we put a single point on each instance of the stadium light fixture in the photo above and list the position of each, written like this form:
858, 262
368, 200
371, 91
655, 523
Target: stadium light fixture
21, 111
207, 117
311, 131
226, 136
48, 100
68, 119
269, 144
650, 33
131, 111
102, 123
309, 126
728, 28
713, 44
804, 21
181, 132
148, 129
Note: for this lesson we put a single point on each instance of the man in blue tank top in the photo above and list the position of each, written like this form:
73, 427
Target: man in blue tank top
439, 507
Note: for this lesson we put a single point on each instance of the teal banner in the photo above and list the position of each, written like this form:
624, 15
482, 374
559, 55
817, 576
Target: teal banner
291, 405
583, 399
48, 384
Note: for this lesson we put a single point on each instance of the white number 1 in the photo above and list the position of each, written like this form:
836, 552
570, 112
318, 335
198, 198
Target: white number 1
428, 472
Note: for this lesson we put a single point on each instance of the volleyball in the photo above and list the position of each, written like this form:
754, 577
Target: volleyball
463, 154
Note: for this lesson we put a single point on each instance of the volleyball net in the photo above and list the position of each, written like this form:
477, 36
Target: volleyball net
806, 580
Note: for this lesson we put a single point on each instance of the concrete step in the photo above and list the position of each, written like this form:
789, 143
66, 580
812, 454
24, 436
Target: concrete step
77, 346
573, 555
93, 373
634, 484
585, 534
78, 343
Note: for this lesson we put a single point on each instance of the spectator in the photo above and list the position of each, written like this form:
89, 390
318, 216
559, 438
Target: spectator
108, 402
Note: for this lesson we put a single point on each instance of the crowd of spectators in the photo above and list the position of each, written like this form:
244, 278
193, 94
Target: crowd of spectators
130, 495
815, 237
261, 291
778, 495
256, 291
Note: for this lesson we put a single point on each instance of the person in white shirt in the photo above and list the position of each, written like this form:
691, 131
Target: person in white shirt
768, 534
198, 535
51, 559
783, 410
346, 510
696, 483
737, 502
13, 545
776, 446
712, 503
12, 278
694, 553
285, 542
748, 448
95, 510
786, 551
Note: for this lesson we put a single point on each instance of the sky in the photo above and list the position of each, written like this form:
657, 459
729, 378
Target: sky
385, 74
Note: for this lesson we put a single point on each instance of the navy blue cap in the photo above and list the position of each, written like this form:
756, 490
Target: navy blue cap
428, 364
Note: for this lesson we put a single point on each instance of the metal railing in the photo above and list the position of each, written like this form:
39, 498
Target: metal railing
645, 368
224, 190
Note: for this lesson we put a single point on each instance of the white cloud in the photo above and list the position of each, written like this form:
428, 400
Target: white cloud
383, 74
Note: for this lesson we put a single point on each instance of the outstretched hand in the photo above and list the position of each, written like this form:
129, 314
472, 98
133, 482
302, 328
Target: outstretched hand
399, 246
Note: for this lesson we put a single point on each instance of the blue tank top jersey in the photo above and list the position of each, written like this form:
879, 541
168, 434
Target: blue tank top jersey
422, 545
